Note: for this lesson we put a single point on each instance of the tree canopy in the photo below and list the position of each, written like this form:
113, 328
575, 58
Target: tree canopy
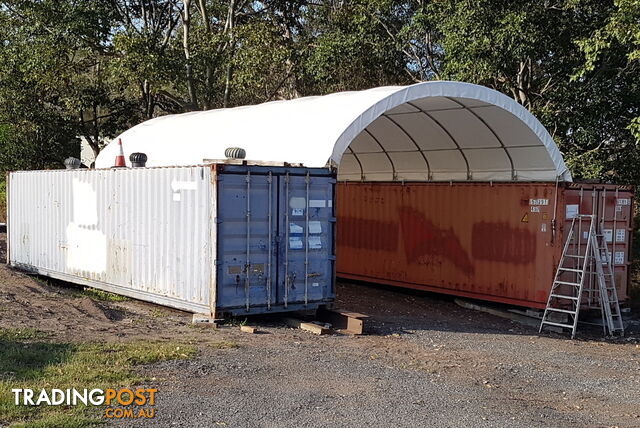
93, 68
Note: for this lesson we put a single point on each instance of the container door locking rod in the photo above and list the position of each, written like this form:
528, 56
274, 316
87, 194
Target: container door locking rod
286, 243
306, 244
270, 227
248, 262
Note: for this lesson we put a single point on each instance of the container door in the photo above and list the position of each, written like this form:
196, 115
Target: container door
615, 214
246, 240
307, 234
613, 209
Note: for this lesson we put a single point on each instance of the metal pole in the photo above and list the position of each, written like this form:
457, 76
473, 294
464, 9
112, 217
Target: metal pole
306, 245
248, 262
270, 227
286, 243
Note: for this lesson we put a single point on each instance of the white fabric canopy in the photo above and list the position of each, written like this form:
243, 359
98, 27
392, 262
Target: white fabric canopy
437, 131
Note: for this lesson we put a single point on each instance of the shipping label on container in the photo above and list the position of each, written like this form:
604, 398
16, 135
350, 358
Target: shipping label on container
604, 258
620, 235
538, 201
608, 235
295, 243
315, 243
318, 203
315, 227
295, 228
624, 201
619, 258
572, 211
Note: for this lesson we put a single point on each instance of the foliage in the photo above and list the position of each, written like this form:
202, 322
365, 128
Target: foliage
92, 68
27, 361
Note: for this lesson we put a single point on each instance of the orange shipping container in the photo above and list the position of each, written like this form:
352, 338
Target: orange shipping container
498, 242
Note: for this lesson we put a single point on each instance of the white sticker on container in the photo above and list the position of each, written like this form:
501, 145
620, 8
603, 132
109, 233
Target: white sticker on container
619, 258
543, 227
297, 212
585, 235
183, 185
538, 201
572, 211
317, 203
330, 203
620, 235
295, 228
295, 242
297, 203
608, 235
618, 208
535, 209
315, 227
315, 243
624, 201
315, 284
176, 196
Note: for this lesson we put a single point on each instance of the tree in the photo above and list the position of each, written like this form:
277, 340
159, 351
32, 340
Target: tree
529, 50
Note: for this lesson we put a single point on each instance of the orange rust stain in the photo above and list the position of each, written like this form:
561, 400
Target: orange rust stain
422, 239
368, 234
500, 242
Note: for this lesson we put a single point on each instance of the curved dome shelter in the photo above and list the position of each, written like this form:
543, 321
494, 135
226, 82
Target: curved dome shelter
433, 131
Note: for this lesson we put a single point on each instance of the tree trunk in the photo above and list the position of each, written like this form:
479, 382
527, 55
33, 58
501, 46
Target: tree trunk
229, 27
186, 25
208, 79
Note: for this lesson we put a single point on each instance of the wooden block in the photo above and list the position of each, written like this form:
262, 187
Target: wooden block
248, 329
307, 326
204, 319
351, 322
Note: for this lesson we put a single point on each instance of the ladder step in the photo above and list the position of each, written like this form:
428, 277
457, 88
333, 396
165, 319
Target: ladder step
575, 257
570, 269
560, 296
557, 324
575, 284
564, 311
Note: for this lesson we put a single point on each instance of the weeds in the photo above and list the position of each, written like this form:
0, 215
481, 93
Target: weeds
26, 361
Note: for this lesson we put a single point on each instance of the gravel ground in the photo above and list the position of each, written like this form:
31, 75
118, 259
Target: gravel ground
425, 361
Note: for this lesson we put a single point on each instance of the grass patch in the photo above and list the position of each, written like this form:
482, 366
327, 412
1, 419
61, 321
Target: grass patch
157, 313
28, 362
103, 296
9, 334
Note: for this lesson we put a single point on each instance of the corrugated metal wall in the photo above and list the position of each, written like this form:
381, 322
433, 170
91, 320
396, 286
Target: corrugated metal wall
140, 232
486, 241
471, 239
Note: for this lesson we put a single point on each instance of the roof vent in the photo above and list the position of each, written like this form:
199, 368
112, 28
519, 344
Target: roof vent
72, 163
235, 153
138, 160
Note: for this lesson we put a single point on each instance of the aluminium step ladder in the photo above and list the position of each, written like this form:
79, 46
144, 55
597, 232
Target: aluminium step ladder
585, 261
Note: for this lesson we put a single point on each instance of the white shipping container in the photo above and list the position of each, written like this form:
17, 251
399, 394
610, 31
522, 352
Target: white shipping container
201, 238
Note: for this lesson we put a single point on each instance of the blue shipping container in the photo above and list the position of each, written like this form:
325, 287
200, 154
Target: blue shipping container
222, 239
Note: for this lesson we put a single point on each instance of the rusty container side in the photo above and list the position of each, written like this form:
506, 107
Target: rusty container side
492, 242
613, 207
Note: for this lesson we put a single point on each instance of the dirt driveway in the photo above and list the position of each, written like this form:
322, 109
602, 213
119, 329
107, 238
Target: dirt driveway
425, 362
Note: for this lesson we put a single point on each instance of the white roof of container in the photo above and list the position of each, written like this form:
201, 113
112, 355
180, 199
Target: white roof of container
437, 131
